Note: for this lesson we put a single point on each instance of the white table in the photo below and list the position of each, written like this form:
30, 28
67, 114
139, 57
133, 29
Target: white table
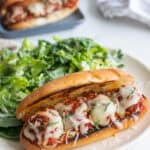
130, 36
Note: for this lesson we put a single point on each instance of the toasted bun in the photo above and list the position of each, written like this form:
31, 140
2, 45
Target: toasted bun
38, 97
54, 17
99, 135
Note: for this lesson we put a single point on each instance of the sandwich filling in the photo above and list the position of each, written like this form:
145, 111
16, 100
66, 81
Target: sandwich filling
19, 12
83, 115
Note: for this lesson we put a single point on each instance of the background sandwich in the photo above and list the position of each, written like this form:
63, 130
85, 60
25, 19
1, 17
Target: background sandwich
21, 14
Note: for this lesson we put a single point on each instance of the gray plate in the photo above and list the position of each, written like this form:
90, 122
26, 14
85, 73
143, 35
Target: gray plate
75, 19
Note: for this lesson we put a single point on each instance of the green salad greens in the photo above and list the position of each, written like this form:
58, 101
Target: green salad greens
31, 66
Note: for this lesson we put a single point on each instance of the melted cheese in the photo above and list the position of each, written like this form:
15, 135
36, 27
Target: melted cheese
117, 123
130, 96
61, 107
37, 8
78, 119
53, 130
56, 1
53, 5
102, 109
28, 134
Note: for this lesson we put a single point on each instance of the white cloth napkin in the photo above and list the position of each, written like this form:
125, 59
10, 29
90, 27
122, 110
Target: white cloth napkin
136, 9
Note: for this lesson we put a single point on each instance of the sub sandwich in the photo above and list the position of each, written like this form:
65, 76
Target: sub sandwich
21, 14
79, 109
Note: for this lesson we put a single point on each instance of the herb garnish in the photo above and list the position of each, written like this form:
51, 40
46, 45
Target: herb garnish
131, 93
52, 123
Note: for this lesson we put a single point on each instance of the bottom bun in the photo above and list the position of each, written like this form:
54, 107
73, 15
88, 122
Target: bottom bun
96, 136
54, 17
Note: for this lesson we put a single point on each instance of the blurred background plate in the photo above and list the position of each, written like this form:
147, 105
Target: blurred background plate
75, 19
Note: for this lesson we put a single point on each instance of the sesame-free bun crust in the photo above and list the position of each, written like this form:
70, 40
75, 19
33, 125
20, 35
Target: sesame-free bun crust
39, 21
99, 135
39, 98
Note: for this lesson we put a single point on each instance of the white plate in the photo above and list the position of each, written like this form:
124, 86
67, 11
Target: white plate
142, 76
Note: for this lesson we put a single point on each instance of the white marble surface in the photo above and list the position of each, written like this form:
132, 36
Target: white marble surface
131, 37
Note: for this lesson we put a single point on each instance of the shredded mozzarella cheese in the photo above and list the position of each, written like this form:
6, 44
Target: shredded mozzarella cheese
53, 130
37, 8
102, 110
